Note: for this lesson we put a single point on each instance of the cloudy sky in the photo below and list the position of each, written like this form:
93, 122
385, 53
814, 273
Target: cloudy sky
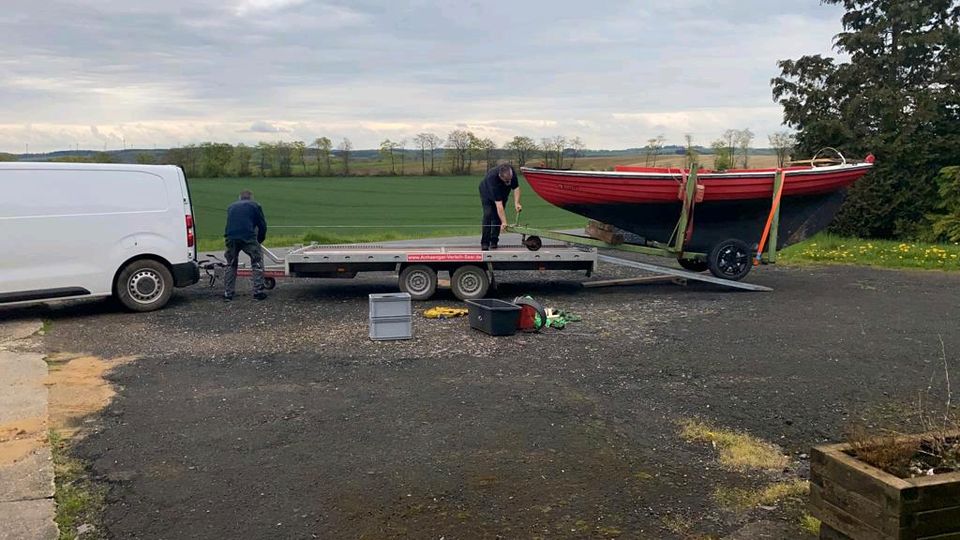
109, 73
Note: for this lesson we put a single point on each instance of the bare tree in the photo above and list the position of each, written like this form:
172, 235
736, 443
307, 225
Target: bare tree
782, 143
345, 148
422, 142
524, 147
576, 147
546, 145
730, 138
657, 147
402, 154
744, 138
459, 142
691, 156
489, 152
324, 151
386, 150
648, 151
559, 145
433, 142
299, 149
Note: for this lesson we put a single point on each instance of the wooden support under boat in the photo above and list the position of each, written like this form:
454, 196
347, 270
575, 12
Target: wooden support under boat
603, 232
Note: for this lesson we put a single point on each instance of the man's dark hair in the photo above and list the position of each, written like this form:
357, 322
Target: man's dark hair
504, 168
246, 195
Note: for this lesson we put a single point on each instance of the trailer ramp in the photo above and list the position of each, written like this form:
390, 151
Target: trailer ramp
683, 274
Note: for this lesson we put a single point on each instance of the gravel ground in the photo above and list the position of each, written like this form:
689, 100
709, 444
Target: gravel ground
281, 419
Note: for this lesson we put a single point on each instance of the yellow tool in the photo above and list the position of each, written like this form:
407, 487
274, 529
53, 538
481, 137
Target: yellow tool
444, 312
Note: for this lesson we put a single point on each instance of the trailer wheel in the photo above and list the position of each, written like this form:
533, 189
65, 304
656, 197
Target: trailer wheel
144, 285
269, 283
533, 243
694, 265
469, 282
730, 259
419, 281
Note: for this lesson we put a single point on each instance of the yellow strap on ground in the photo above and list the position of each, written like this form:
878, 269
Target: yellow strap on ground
444, 312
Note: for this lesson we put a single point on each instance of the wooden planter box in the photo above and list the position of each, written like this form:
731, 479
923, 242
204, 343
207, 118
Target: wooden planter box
855, 500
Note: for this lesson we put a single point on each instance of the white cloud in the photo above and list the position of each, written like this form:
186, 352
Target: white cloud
185, 71
254, 7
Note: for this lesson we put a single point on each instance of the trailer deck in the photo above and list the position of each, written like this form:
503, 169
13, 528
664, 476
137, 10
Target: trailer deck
471, 270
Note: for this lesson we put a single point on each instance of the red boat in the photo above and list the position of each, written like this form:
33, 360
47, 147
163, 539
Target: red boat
733, 204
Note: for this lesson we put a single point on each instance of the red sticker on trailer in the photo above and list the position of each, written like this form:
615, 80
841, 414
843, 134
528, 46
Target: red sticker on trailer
444, 257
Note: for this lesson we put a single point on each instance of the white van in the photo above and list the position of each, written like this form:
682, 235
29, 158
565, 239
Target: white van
71, 230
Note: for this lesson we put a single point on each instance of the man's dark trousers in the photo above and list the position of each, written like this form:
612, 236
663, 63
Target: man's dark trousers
251, 248
490, 235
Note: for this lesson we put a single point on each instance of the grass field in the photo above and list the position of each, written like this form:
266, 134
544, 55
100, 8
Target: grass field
370, 209
360, 208
828, 249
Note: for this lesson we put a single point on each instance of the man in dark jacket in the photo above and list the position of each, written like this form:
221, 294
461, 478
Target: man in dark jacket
494, 191
246, 230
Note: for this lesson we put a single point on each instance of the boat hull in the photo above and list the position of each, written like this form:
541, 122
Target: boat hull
713, 222
732, 205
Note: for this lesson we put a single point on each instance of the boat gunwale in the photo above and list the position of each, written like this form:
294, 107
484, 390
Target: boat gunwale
680, 174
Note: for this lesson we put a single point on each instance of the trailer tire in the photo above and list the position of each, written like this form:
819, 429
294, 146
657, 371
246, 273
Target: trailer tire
533, 243
269, 283
419, 281
694, 265
469, 282
144, 285
730, 259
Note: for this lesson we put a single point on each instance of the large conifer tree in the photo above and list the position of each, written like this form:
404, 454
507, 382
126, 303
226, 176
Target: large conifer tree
896, 96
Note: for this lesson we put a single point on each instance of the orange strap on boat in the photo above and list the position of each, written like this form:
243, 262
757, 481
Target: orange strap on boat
773, 211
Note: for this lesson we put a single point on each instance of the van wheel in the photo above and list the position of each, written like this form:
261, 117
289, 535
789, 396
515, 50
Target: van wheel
144, 285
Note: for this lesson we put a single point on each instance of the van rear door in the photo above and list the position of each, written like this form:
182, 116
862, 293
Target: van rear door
189, 216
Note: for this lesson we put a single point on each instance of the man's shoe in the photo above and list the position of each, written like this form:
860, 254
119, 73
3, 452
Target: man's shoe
227, 298
493, 246
484, 248
260, 296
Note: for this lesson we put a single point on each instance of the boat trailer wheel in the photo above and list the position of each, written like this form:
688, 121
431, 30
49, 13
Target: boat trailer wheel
533, 243
420, 281
269, 283
470, 282
730, 259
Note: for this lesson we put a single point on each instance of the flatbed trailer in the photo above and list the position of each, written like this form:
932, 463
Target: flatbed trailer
471, 269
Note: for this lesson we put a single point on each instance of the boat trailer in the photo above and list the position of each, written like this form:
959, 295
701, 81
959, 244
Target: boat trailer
729, 260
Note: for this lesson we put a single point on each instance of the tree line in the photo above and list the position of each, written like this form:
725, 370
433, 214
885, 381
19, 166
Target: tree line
461, 153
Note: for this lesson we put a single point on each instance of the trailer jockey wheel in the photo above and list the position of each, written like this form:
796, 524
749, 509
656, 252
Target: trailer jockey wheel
469, 282
419, 281
533, 243
694, 265
730, 259
269, 283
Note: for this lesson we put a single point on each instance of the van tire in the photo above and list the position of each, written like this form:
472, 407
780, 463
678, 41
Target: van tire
144, 285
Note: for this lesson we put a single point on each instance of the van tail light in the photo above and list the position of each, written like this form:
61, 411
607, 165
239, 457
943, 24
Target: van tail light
190, 236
